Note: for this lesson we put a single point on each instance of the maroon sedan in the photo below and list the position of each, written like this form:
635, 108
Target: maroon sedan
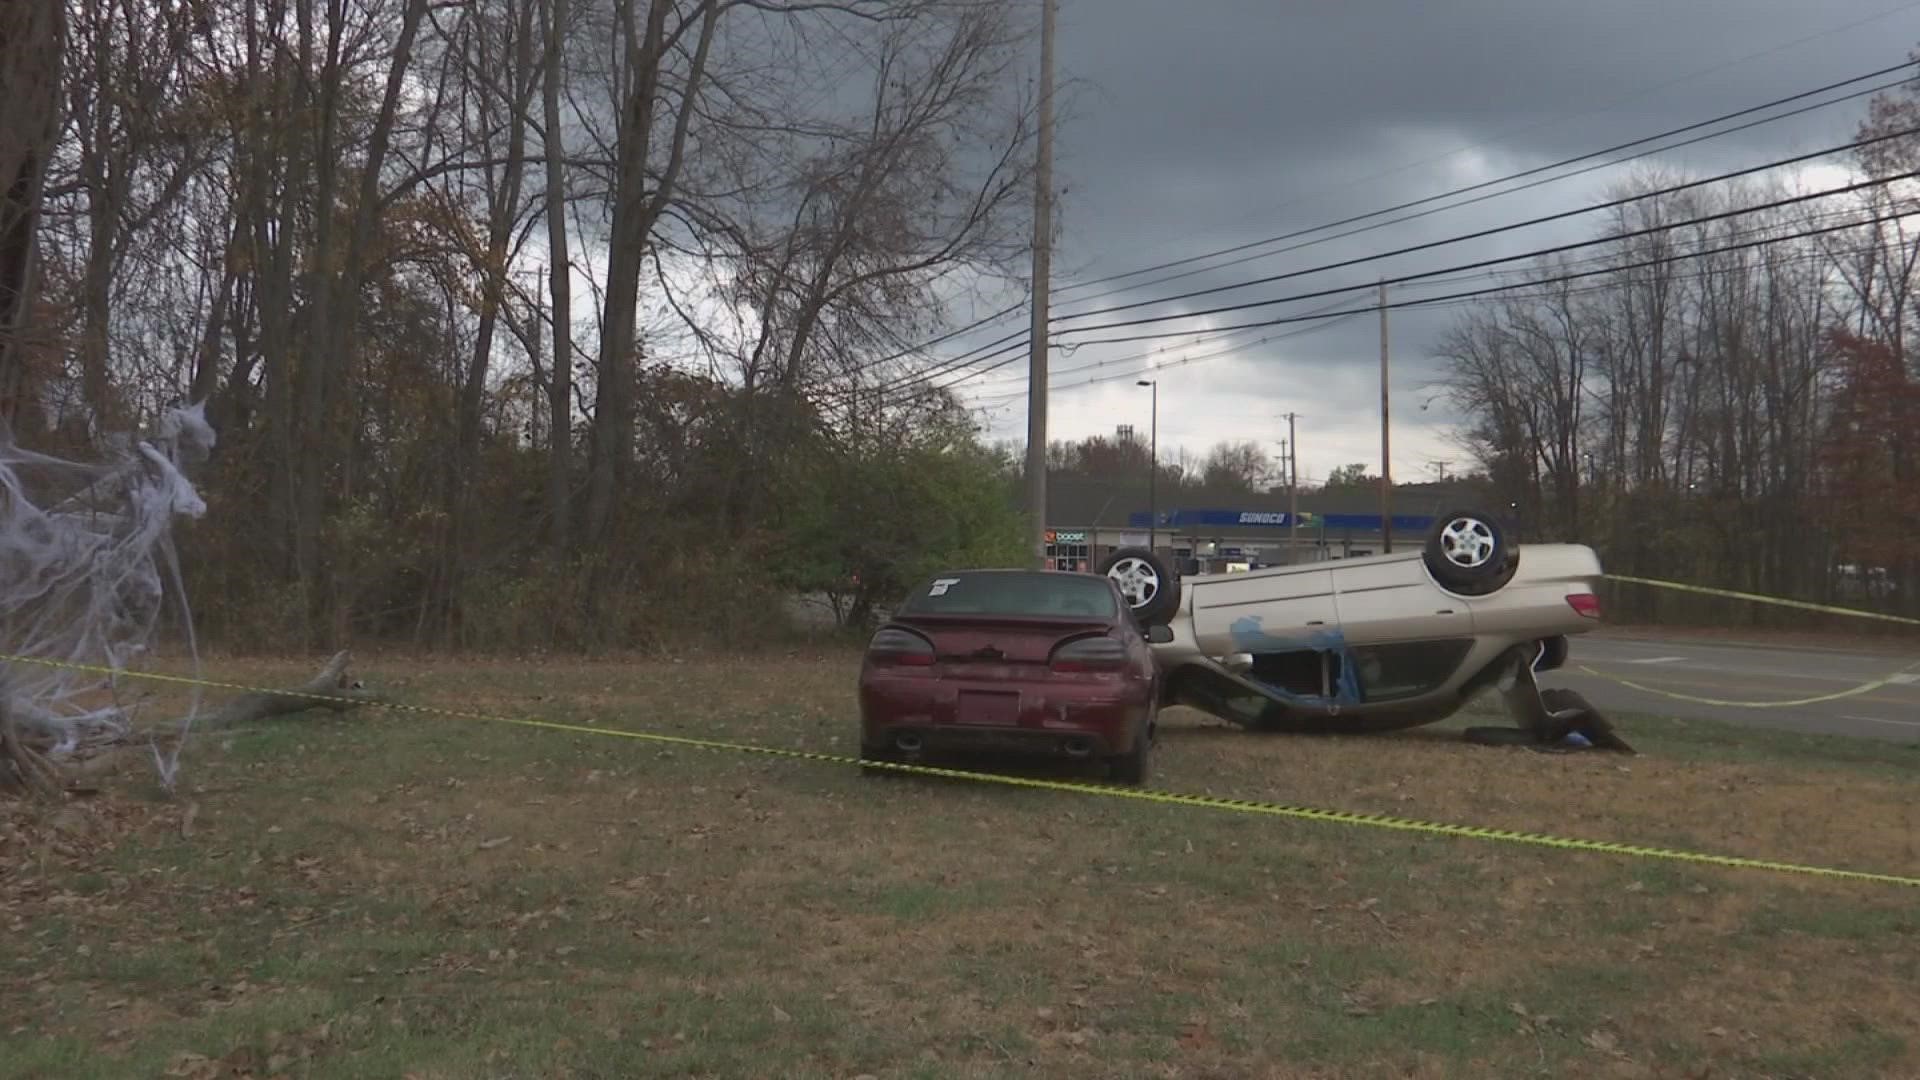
1019, 660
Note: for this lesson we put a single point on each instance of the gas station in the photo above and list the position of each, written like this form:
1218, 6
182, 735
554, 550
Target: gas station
1088, 522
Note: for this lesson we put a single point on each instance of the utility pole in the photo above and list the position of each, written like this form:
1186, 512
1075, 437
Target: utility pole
1042, 281
1153, 465
1293, 493
1386, 458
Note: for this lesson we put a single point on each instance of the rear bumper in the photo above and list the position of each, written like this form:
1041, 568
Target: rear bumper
1073, 719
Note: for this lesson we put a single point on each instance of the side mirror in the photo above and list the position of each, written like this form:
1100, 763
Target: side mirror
1159, 635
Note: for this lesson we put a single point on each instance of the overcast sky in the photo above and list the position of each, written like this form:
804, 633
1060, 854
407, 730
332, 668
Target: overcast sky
1209, 124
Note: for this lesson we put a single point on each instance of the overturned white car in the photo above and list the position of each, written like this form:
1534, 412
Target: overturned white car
1374, 643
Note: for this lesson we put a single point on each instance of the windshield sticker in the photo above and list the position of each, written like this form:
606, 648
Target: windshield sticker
941, 586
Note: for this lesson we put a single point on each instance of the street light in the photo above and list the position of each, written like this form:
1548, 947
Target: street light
1153, 467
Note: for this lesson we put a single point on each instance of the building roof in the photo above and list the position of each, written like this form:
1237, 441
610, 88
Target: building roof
1081, 501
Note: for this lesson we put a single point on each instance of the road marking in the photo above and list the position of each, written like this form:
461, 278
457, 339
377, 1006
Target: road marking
1904, 680
1877, 720
1657, 660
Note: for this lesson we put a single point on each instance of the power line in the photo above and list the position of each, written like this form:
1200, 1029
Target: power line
1510, 177
1331, 321
1560, 278
1016, 307
1640, 93
1483, 233
1318, 294
1459, 300
1490, 195
1202, 338
1211, 337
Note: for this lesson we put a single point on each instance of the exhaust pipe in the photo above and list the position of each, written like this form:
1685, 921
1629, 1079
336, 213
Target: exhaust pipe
1079, 748
908, 741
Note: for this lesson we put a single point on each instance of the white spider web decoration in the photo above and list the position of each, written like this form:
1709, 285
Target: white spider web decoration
84, 577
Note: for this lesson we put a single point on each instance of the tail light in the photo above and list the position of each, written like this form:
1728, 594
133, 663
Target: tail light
1090, 654
903, 648
1585, 604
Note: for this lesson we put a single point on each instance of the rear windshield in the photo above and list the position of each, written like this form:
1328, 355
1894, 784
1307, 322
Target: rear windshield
1013, 593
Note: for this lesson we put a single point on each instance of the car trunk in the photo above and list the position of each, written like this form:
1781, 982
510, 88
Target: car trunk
1011, 673
997, 649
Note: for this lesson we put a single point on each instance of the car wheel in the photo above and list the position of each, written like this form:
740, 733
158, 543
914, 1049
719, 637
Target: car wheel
870, 756
1132, 767
1147, 583
1467, 552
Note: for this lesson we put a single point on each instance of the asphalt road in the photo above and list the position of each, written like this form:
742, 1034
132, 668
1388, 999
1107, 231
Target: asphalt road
1749, 674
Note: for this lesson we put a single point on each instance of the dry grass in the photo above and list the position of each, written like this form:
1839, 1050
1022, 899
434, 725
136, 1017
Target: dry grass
392, 895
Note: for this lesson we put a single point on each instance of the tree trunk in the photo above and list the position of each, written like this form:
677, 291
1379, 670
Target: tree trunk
503, 208
560, 284
634, 214
322, 378
32, 40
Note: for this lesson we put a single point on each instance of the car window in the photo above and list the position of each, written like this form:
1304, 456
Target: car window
1013, 593
1407, 669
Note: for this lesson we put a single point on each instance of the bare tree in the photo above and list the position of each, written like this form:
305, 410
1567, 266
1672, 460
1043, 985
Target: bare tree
1237, 466
882, 211
642, 188
554, 24
32, 42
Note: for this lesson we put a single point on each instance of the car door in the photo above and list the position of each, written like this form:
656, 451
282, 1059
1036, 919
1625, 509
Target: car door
1265, 611
1382, 601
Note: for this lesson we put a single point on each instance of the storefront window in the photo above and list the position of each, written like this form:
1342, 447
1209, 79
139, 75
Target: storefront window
1068, 550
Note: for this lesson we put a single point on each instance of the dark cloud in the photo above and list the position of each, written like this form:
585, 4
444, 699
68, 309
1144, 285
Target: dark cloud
1204, 125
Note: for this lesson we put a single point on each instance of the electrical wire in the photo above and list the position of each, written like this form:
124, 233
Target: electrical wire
1438, 301
1810, 257
1523, 174
1208, 338
1483, 198
1491, 231
1015, 349
1211, 338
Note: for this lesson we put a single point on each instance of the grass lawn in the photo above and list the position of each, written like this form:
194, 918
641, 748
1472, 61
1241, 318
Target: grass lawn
385, 894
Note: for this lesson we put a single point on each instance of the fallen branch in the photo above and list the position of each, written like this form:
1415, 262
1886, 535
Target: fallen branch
25, 767
22, 768
332, 690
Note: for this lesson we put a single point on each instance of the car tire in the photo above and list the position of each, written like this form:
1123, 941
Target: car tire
1146, 582
874, 762
1132, 767
1468, 552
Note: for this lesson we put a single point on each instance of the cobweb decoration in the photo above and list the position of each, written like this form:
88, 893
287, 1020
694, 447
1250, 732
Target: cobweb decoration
84, 577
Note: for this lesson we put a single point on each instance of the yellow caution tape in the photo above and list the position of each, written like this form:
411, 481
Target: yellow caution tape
1242, 806
1759, 599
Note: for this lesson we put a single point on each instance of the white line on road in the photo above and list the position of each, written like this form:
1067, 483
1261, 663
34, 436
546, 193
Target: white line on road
1904, 679
1877, 720
1657, 660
